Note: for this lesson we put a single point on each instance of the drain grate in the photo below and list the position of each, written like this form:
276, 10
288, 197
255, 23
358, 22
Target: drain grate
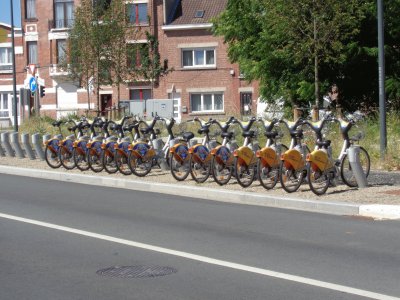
136, 271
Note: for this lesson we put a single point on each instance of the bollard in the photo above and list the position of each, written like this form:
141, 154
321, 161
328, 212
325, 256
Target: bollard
5, 140
15, 143
354, 158
28, 149
37, 144
46, 137
2, 152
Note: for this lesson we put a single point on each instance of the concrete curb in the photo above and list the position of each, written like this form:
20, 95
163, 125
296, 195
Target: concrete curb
239, 197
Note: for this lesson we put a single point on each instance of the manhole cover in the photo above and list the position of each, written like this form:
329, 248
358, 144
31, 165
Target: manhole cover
136, 271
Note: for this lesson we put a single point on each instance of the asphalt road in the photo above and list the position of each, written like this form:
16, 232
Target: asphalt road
56, 236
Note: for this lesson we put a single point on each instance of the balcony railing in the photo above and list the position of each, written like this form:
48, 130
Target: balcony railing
61, 23
5, 68
57, 70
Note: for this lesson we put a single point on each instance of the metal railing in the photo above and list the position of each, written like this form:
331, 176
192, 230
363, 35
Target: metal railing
61, 23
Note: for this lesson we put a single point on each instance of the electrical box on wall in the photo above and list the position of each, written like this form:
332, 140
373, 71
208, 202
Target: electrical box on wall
184, 109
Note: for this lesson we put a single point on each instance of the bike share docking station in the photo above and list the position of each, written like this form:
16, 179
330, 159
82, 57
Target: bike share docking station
354, 158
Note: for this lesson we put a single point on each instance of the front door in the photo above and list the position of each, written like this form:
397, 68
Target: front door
106, 103
245, 103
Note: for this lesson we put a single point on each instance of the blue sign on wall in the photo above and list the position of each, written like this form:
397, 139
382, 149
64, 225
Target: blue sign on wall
32, 84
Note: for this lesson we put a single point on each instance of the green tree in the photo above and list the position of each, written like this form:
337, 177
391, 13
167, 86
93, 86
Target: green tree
150, 67
88, 43
289, 45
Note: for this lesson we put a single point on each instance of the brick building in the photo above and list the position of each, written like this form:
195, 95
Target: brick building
203, 82
6, 72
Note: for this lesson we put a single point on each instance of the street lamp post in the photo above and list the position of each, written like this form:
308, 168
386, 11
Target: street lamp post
15, 102
381, 68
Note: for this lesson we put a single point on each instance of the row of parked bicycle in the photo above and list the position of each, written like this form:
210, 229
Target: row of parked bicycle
91, 146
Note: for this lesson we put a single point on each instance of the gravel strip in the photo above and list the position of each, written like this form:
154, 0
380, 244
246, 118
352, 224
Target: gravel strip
384, 187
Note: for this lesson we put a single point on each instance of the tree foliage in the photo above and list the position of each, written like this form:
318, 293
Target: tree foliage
103, 47
295, 48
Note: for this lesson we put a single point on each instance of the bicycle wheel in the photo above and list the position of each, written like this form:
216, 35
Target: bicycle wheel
290, 179
109, 162
121, 161
95, 160
220, 171
244, 174
268, 176
52, 158
80, 159
180, 168
318, 180
66, 157
199, 170
139, 166
346, 172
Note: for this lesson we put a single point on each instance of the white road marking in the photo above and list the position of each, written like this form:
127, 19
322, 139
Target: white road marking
209, 260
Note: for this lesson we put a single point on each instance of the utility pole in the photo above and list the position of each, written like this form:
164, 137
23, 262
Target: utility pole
381, 70
15, 102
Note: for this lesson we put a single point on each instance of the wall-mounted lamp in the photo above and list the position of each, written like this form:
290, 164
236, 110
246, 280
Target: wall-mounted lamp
232, 72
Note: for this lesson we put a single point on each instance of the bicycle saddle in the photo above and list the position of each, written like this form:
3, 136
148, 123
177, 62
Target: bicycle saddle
250, 134
188, 136
296, 133
323, 144
56, 123
203, 130
228, 135
271, 135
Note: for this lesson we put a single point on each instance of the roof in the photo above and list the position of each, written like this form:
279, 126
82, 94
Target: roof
186, 11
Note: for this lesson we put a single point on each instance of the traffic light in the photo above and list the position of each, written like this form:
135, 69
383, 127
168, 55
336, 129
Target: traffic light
42, 91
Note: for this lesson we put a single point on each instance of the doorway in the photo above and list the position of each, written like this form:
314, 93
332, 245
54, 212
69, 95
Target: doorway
106, 103
245, 103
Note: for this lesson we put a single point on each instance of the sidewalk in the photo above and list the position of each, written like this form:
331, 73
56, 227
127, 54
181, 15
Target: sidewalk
380, 200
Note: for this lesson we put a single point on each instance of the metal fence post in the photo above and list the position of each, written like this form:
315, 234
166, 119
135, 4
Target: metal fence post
5, 140
354, 158
27, 146
15, 143
37, 143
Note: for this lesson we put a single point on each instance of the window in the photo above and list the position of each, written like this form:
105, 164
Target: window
207, 102
198, 58
32, 52
4, 112
30, 9
61, 51
63, 13
140, 94
137, 13
5, 59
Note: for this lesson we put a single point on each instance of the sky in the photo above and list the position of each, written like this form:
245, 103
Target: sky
5, 13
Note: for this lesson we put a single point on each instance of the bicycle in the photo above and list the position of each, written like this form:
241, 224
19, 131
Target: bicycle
346, 172
320, 166
292, 168
145, 154
200, 156
67, 145
80, 152
269, 156
109, 147
94, 147
222, 163
179, 161
52, 147
245, 160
